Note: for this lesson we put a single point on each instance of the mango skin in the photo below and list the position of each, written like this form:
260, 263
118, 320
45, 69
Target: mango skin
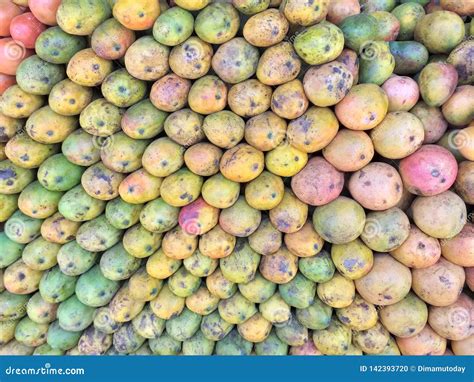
461, 57
136, 14
303, 13
437, 83
217, 23
68, 98
32, 72
410, 56
408, 14
441, 23
378, 66
358, 29
87, 69
17, 103
90, 285
110, 40
173, 26
309, 43
57, 47
259, 29
81, 17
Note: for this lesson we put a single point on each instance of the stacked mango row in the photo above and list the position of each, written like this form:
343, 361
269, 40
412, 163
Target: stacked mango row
237, 177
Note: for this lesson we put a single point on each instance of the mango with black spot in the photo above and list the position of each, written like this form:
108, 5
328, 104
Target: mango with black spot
19, 278
183, 283
81, 148
298, 292
353, 260
30, 333
200, 265
13, 306
98, 235
278, 64
117, 264
249, 98
27, 153
333, 340
224, 129
123, 308
110, 40
313, 130
178, 244
136, 15
219, 286
73, 315
37, 76
290, 214
279, 267
191, 59
41, 311
292, 332
22, 228
304, 12
338, 292
74, 260
123, 90
240, 219
214, 327
272, 345
47, 126
143, 286
266, 239
235, 61
56, 46
242, 163
101, 118
58, 174
167, 304
104, 322
17, 103
88, 69
126, 340
38, 202
101, 182
316, 316
265, 131
76, 205
81, 17
360, 315
198, 344
165, 345
56, 286
266, 28
146, 59
217, 23
147, 324
94, 342
202, 302
240, 266
319, 43
40, 254
173, 26
68, 98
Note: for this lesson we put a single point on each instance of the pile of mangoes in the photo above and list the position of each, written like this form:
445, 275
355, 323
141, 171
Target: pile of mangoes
237, 177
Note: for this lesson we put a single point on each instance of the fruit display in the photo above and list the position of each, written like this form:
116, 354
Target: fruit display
241, 177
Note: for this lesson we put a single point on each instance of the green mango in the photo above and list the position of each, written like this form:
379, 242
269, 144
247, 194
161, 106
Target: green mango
57, 47
183, 326
74, 316
376, 63
55, 286
299, 292
61, 339
117, 264
73, 260
410, 56
94, 289
58, 174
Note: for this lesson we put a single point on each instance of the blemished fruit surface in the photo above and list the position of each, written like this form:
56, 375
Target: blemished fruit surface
196, 177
